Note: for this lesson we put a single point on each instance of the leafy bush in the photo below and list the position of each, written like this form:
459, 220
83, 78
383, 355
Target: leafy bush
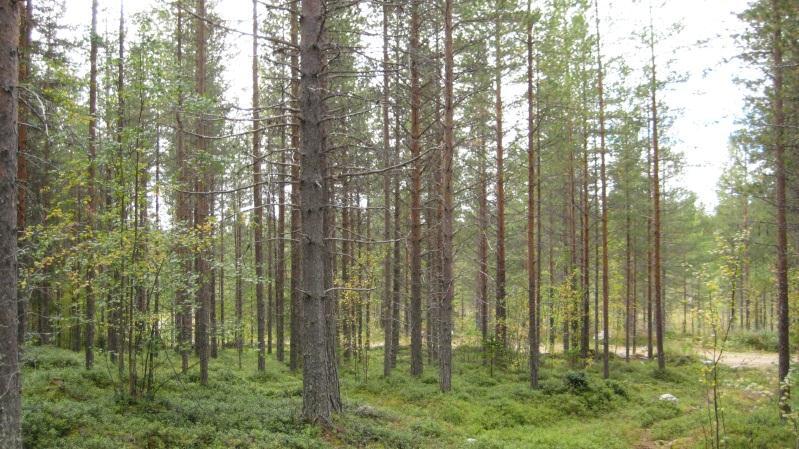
576, 381
617, 388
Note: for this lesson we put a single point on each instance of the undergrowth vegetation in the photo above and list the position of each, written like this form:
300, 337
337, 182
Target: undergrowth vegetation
66, 406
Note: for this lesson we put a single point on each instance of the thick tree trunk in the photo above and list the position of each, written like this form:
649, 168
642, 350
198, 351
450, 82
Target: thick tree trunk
319, 399
782, 229
10, 406
25, 51
202, 209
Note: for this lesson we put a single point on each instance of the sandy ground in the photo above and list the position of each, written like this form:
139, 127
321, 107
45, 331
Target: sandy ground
762, 360
746, 359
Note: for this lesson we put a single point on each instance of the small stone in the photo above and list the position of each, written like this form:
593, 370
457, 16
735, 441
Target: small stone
668, 397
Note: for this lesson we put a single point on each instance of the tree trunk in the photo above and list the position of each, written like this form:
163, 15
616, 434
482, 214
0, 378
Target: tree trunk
258, 210
649, 325
280, 263
447, 275
532, 325
239, 293
202, 209
501, 309
319, 400
416, 175
296, 299
482, 243
385, 310
121, 321
10, 431
25, 51
182, 214
586, 233
90, 303
783, 318
659, 318
603, 180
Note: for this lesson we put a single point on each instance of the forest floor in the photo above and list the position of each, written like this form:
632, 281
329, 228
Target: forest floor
66, 406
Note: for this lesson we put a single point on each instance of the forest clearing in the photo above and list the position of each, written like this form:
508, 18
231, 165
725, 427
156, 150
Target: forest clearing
563, 224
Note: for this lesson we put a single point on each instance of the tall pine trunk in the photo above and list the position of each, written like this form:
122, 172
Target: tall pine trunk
447, 274
385, 311
202, 208
603, 181
296, 302
90, 303
782, 234
10, 431
258, 209
501, 308
532, 307
319, 399
659, 305
416, 187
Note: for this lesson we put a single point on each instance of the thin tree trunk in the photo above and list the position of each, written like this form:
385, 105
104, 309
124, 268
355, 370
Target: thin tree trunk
416, 174
627, 276
482, 244
603, 180
386, 308
182, 215
586, 232
501, 309
280, 263
295, 351
447, 275
258, 211
659, 318
239, 293
90, 303
649, 325
121, 322
397, 273
532, 307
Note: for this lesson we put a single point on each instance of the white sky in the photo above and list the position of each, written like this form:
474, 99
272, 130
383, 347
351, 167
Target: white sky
706, 105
